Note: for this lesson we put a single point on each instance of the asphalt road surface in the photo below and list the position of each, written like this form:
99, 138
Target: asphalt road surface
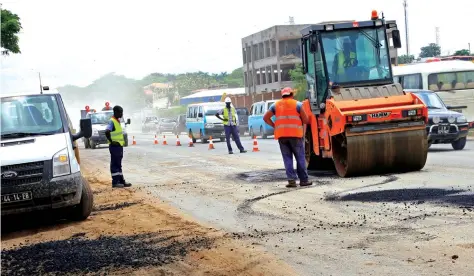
417, 223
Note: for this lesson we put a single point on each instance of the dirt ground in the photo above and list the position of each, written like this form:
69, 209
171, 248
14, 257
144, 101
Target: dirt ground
129, 233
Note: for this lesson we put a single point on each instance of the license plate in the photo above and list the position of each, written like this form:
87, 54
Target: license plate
443, 129
16, 197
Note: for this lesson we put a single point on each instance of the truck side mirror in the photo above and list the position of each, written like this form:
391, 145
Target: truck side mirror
397, 42
45, 88
86, 129
128, 121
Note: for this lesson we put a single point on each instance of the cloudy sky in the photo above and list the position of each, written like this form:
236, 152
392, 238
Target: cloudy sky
75, 42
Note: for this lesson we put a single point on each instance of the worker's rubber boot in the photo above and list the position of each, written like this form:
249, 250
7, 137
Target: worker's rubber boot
118, 185
291, 184
231, 152
306, 183
243, 151
126, 184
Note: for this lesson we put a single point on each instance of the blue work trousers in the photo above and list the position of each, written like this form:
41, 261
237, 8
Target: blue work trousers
234, 130
290, 146
116, 155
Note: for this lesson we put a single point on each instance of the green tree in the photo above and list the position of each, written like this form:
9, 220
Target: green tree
431, 50
404, 59
10, 27
463, 52
299, 82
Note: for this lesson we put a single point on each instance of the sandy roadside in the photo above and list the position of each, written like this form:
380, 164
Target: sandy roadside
130, 233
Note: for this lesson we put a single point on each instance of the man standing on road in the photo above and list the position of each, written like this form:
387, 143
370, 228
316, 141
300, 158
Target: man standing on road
229, 120
116, 141
290, 117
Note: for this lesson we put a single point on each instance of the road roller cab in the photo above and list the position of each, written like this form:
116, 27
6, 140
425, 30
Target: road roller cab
362, 122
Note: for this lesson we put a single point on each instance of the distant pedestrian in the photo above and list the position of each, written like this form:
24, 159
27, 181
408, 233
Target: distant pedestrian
229, 119
116, 141
290, 117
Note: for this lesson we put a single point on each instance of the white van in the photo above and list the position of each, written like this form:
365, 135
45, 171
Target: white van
453, 81
40, 162
202, 123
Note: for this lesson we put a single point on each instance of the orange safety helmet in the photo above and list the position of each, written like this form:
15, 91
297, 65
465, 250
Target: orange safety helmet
286, 91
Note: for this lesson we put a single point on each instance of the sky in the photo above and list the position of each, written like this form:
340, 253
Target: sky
76, 42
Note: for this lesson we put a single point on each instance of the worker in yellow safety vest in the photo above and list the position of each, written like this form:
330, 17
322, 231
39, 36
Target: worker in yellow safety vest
116, 141
344, 59
231, 127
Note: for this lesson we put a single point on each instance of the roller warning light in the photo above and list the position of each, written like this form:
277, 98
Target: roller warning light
375, 16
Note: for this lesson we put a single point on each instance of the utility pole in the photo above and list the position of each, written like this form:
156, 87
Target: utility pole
405, 6
41, 86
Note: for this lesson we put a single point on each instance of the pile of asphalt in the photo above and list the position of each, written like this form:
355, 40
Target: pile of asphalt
79, 255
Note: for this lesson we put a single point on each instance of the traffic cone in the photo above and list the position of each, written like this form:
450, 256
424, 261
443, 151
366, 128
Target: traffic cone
164, 140
211, 144
178, 143
191, 141
255, 144
133, 140
156, 141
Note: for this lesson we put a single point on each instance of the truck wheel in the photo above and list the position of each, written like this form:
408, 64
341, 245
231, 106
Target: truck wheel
126, 143
93, 145
459, 144
264, 136
84, 208
87, 144
204, 141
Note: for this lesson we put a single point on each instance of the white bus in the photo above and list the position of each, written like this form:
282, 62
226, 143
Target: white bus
452, 80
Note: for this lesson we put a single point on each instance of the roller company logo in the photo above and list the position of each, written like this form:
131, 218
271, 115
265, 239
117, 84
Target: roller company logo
9, 174
379, 115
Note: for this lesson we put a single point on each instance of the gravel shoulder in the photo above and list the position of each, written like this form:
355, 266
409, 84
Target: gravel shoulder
129, 233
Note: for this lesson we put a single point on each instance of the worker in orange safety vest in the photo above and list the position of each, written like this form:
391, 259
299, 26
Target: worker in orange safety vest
288, 125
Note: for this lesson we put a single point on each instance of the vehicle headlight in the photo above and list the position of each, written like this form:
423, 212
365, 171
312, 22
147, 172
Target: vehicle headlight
61, 164
95, 132
461, 119
451, 119
209, 126
436, 119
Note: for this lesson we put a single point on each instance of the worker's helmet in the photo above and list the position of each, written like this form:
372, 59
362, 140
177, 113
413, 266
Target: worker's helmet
227, 100
286, 91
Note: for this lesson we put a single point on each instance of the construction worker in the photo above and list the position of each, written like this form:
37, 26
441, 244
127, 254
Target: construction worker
229, 120
290, 117
344, 59
116, 141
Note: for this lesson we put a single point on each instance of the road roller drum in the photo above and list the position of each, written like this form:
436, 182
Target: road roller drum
399, 151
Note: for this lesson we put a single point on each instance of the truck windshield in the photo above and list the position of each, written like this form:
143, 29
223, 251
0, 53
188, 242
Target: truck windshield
30, 115
357, 55
101, 118
431, 100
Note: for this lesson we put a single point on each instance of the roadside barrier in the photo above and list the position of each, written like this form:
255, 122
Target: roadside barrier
190, 141
156, 141
255, 144
211, 144
178, 143
164, 140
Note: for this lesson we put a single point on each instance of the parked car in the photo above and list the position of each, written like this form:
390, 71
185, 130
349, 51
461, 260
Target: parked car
444, 125
180, 124
150, 124
255, 121
243, 114
166, 125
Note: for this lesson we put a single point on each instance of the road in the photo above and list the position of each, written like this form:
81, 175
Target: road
417, 223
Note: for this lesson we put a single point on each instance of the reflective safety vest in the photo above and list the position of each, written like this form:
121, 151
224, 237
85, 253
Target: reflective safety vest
226, 116
343, 63
117, 134
288, 121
